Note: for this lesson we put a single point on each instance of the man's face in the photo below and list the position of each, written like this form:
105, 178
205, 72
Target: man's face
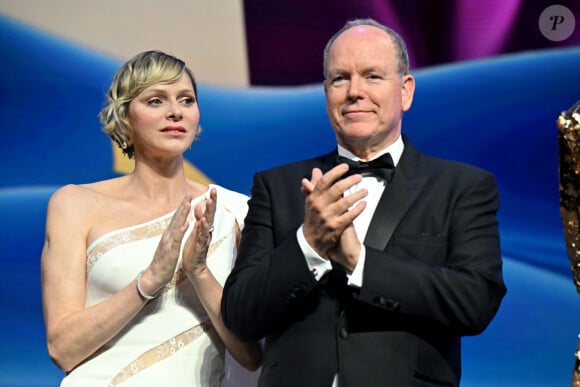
365, 97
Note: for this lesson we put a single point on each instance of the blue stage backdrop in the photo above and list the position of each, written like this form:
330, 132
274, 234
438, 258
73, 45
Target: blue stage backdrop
497, 113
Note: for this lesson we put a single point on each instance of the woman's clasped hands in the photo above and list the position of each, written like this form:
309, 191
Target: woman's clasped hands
164, 262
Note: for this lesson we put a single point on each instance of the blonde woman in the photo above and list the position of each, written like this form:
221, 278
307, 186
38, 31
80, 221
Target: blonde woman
133, 267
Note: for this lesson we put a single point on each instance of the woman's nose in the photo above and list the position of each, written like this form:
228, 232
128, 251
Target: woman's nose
175, 112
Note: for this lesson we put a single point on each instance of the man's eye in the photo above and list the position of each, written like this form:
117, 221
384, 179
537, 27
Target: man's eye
339, 79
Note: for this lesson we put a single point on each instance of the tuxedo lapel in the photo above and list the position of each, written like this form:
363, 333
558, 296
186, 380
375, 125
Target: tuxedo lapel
396, 200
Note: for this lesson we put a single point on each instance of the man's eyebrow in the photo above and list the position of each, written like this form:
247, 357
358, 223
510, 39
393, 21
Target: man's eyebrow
337, 71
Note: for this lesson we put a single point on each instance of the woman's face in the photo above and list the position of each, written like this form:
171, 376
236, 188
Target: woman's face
165, 118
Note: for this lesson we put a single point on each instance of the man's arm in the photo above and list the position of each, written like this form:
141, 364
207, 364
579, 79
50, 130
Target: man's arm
269, 278
463, 291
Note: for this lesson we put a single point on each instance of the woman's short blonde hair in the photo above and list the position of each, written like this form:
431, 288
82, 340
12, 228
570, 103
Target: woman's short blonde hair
137, 74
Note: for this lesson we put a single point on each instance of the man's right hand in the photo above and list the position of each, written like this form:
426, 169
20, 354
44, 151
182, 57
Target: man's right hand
327, 210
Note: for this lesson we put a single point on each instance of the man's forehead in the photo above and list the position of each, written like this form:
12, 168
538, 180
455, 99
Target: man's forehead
363, 53
361, 37
364, 31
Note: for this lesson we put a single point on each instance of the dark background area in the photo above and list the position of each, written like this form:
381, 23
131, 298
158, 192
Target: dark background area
286, 38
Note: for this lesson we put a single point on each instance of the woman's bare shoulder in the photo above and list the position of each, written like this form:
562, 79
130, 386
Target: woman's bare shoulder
83, 195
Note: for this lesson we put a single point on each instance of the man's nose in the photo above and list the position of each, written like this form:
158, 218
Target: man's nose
355, 88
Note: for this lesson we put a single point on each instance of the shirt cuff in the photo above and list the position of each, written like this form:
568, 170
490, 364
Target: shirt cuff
355, 279
317, 265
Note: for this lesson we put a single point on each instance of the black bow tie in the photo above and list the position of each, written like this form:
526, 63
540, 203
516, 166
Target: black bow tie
382, 167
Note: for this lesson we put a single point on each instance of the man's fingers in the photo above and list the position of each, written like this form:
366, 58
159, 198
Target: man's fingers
345, 184
325, 181
345, 203
351, 199
307, 186
349, 216
316, 175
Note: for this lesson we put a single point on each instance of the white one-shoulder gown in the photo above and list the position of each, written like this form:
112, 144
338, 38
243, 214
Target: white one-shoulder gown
171, 342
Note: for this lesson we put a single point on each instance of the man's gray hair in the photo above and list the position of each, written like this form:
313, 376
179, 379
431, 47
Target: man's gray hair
400, 46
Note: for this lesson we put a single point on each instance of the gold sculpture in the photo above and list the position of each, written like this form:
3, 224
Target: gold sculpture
569, 170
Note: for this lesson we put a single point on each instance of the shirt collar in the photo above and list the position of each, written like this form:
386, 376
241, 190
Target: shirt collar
395, 149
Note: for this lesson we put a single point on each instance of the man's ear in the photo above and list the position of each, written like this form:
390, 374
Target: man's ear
407, 91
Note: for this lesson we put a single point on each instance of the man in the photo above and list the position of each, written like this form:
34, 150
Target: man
389, 311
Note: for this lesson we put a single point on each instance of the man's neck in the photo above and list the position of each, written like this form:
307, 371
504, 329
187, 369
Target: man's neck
395, 149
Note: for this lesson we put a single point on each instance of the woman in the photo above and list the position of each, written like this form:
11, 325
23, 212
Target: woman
133, 267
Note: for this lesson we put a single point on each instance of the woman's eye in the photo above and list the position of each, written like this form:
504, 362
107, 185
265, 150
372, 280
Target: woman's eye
188, 101
154, 101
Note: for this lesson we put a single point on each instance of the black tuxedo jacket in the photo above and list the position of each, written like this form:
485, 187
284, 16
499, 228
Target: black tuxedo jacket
433, 273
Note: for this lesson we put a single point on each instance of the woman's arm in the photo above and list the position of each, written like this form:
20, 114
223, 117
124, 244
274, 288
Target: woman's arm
248, 354
74, 332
